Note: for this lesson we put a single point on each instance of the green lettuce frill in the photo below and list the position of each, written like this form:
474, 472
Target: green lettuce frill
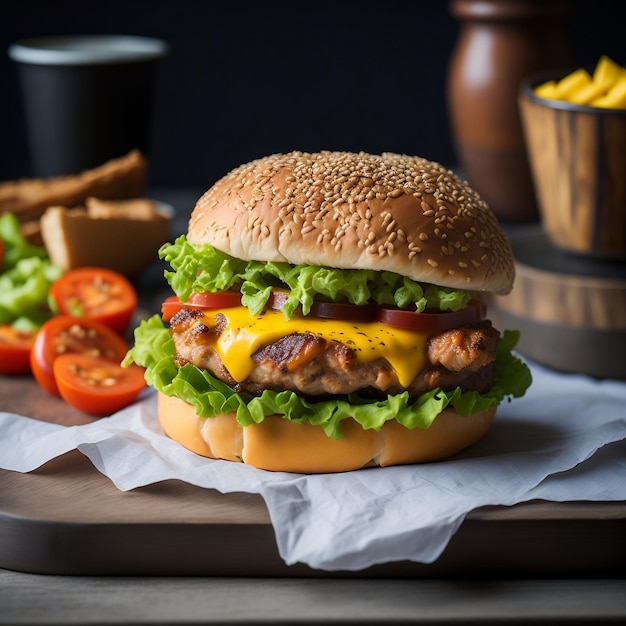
202, 268
154, 350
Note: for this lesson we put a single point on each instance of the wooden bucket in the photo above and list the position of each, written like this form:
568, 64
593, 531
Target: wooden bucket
578, 161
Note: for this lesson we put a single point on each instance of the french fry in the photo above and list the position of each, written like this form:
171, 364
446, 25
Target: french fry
605, 87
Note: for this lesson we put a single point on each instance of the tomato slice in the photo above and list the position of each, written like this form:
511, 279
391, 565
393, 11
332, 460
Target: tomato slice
95, 385
329, 310
15, 349
202, 301
66, 334
392, 316
398, 318
97, 293
170, 307
344, 311
277, 299
473, 313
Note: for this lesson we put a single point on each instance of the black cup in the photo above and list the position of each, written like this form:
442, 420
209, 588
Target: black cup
87, 99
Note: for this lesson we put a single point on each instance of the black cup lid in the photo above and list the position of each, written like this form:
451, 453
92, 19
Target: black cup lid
87, 50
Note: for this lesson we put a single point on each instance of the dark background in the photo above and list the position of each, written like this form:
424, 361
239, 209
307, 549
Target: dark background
246, 79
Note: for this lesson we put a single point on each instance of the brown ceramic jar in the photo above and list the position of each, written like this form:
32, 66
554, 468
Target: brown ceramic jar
500, 43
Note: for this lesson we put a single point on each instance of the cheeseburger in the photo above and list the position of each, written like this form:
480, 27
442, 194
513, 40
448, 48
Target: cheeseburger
327, 316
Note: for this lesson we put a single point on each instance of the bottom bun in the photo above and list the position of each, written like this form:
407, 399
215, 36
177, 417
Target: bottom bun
278, 444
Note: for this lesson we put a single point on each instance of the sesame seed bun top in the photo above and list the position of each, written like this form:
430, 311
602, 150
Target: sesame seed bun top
386, 212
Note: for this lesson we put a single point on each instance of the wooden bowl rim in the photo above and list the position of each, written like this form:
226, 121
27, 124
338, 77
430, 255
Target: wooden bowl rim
553, 263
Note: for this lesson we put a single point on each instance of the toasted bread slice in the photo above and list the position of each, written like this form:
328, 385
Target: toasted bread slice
75, 238
28, 198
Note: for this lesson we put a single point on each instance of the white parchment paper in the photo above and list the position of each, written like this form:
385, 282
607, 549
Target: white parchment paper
565, 440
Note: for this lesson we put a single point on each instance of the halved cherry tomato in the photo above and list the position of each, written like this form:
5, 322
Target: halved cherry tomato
202, 301
95, 385
66, 334
439, 321
96, 293
15, 349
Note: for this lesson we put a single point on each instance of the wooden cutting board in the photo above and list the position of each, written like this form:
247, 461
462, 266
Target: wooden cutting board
570, 309
67, 518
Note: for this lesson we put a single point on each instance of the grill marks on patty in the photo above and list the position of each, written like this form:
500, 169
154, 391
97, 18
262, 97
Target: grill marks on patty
312, 366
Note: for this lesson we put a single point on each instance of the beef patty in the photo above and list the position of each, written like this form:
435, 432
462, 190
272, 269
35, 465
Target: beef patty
314, 367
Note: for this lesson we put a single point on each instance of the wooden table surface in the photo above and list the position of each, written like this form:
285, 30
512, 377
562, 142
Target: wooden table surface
35, 598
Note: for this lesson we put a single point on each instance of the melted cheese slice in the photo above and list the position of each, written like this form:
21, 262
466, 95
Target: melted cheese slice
245, 334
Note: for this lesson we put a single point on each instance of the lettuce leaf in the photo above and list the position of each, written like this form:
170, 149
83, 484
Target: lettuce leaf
204, 268
16, 246
26, 275
154, 350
